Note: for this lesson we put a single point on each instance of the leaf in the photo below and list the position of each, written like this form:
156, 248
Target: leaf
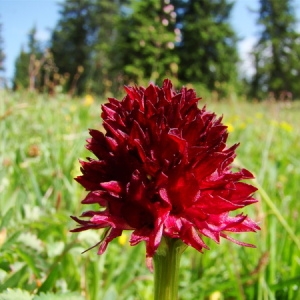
15, 279
55, 270
31, 241
5, 266
29, 258
111, 294
51, 296
15, 294
32, 212
7, 217
50, 281
11, 240
285, 283
55, 248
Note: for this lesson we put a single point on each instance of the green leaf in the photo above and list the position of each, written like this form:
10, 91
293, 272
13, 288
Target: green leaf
29, 259
285, 283
7, 217
31, 240
111, 294
50, 281
15, 279
10, 241
15, 294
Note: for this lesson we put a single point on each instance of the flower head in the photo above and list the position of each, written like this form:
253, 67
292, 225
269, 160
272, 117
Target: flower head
163, 169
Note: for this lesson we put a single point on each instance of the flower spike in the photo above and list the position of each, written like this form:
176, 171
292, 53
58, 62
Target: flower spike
163, 170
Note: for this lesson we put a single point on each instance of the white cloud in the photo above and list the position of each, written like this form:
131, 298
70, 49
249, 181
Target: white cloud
245, 47
42, 35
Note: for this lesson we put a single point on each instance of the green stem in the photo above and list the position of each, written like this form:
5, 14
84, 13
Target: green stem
166, 269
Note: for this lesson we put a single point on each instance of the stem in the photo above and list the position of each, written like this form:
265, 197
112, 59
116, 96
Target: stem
166, 269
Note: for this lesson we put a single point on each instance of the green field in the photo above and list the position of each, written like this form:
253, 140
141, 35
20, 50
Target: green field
41, 140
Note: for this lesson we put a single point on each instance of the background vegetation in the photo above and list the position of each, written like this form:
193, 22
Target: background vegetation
41, 141
97, 46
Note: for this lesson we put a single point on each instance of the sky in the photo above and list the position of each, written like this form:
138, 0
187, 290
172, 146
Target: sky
19, 16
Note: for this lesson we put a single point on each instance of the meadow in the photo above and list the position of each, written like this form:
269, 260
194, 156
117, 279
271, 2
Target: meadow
42, 139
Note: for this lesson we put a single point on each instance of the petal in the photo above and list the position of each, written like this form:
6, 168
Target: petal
190, 236
112, 187
151, 94
161, 214
173, 226
85, 225
110, 221
111, 234
214, 204
99, 197
240, 223
139, 235
236, 241
181, 143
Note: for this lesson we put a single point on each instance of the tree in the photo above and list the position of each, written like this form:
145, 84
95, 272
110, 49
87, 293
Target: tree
36, 60
2, 55
147, 41
207, 49
82, 40
21, 78
277, 52
69, 42
2, 58
29, 64
103, 75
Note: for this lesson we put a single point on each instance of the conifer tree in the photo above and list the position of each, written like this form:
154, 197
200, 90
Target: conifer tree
28, 64
21, 78
82, 43
277, 52
2, 55
207, 49
103, 75
70, 42
2, 58
36, 60
146, 48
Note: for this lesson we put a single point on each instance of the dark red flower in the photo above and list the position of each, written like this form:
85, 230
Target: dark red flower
163, 169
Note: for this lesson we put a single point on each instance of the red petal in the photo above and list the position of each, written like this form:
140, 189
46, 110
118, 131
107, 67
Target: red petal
173, 226
236, 241
214, 204
151, 94
191, 237
99, 197
113, 233
113, 187
139, 235
110, 221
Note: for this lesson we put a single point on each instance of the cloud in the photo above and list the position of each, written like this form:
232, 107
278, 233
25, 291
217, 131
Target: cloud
43, 35
245, 47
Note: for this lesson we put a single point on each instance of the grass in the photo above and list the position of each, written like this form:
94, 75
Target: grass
41, 141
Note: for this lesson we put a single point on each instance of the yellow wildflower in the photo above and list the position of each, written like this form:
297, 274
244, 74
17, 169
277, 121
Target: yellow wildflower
230, 127
217, 295
122, 239
259, 115
286, 126
88, 100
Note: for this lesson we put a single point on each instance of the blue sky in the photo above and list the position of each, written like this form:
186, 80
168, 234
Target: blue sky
19, 16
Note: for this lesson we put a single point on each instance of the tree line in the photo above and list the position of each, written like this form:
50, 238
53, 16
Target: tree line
98, 46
